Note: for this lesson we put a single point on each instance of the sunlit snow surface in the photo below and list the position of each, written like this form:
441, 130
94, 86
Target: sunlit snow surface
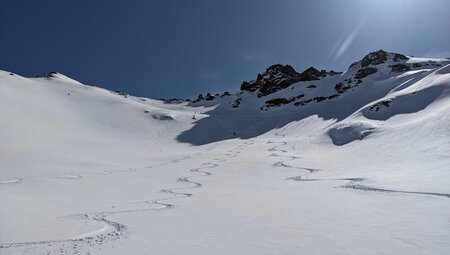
87, 171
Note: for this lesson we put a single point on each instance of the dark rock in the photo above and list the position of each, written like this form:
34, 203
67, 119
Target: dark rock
374, 58
172, 100
432, 63
362, 73
397, 57
236, 103
398, 68
341, 88
331, 73
311, 86
280, 101
225, 94
47, 75
299, 96
319, 99
121, 93
252, 87
312, 74
209, 97
278, 77
275, 77
162, 117
379, 105
284, 69
199, 98
378, 57
277, 102
333, 96
300, 103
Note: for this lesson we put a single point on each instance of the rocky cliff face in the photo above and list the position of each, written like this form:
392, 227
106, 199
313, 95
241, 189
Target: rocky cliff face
278, 77
281, 85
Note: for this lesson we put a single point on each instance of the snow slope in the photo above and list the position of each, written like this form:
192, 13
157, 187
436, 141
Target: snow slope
84, 170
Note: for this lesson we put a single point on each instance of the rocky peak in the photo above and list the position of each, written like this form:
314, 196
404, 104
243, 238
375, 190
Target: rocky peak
312, 74
398, 57
275, 77
278, 69
374, 58
379, 57
367, 65
278, 77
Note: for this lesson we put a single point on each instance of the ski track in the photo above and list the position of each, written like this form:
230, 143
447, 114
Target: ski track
353, 182
71, 176
106, 172
14, 180
172, 161
192, 184
358, 186
112, 230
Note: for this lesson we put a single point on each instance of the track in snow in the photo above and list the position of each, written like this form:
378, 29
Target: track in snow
14, 180
354, 182
112, 230
177, 191
109, 232
358, 186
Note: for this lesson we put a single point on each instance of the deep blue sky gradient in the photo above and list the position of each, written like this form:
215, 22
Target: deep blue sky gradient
179, 48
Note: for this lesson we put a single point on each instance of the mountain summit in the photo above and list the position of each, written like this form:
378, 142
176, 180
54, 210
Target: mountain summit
281, 95
278, 77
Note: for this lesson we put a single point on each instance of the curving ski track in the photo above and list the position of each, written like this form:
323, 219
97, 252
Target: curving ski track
112, 230
186, 180
177, 191
354, 182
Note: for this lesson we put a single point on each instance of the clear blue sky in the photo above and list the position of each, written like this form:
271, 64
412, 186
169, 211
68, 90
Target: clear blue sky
173, 48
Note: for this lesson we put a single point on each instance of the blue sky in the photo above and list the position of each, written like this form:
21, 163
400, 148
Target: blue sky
173, 48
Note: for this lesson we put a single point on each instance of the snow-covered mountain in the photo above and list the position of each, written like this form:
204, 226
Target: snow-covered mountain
378, 85
312, 162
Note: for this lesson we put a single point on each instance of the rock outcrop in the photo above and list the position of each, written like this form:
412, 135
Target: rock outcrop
374, 58
362, 73
47, 75
278, 77
367, 65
